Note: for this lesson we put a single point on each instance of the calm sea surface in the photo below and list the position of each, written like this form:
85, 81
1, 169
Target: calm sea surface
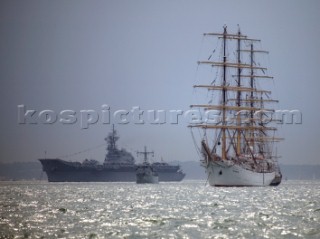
188, 209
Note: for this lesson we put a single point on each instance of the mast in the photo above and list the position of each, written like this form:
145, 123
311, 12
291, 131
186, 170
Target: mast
251, 98
111, 140
262, 145
113, 137
224, 93
145, 154
238, 151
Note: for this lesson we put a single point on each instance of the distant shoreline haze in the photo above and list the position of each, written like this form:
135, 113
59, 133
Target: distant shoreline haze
33, 171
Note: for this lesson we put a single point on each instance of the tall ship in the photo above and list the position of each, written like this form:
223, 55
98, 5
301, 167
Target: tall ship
237, 144
119, 166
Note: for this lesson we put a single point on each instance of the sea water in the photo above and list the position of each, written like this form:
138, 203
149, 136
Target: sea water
188, 209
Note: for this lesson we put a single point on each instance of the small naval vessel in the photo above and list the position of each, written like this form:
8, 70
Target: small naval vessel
145, 173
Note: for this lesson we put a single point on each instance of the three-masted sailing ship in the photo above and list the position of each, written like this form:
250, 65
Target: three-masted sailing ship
238, 145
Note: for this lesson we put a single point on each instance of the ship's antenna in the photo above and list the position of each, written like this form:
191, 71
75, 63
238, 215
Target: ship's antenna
113, 138
145, 154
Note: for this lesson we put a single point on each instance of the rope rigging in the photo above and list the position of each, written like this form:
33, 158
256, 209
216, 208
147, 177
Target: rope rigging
195, 144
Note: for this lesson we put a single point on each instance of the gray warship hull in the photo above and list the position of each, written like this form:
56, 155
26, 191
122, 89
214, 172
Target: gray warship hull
58, 170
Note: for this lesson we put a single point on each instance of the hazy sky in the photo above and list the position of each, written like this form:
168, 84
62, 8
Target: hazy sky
80, 55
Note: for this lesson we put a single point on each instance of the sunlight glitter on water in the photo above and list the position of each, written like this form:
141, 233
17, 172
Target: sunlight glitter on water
168, 210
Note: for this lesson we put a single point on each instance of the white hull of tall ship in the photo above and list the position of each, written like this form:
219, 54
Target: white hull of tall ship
223, 174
